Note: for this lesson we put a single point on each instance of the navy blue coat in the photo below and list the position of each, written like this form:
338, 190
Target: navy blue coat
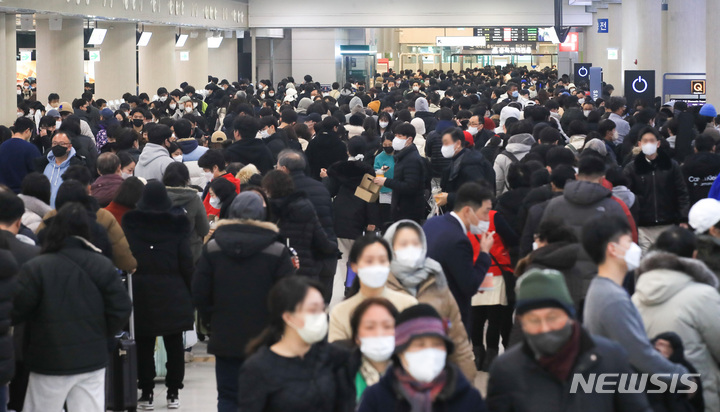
457, 396
448, 244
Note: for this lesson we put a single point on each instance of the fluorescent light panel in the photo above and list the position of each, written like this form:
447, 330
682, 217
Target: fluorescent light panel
181, 40
214, 42
97, 36
144, 39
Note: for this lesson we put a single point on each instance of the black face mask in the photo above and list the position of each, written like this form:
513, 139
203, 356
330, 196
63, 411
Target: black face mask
138, 122
59, 151
388, 149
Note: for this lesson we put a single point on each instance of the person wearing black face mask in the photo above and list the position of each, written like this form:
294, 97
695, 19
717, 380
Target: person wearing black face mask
555, 349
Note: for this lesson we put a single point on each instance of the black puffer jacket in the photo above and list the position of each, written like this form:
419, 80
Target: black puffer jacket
72, 301
8, 279
407, 184
277, 143
320, 198
233, 277
700, 171
161, 244
352, 214
509, 203
299, 224
248, 151
324, 150
466, 166
660, 189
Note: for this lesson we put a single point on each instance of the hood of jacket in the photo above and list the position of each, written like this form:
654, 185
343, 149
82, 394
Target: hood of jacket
187, 145
151, 152
410, 276
523, 138
35, 205
624, 194
577, 141
661, 275
584, 193
350, 173
252, 145
51, 158
356, 104
421, 105
296, 207
443, 125
304, 103
156, 226
559, 256
243, 238
181, 196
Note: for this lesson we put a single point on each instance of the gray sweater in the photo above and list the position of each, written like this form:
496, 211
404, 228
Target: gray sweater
610, 313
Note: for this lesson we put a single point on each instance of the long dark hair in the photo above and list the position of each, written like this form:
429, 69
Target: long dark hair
285, 296
72, 220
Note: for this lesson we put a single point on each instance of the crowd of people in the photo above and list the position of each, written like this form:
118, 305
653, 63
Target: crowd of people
369, 247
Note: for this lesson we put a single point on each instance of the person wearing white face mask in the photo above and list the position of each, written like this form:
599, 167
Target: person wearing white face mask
412, 272
291, 368
421, 378
660, 187
465, 166
608, 310
370, 260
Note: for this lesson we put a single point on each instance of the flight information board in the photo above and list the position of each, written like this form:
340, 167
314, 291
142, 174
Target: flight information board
507, 34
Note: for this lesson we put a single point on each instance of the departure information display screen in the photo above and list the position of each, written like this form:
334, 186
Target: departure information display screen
508, 34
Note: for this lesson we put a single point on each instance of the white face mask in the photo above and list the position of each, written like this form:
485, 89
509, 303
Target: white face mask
649, 149
472, 130
263, 134
480, 228
581, 101
178, 158
587, 112
172, 106
262, 96
125, 175
416, 89
377, 348
374, 276
208, 176
189, 109
315, 328
163, 98
616, 136
535, 245
409, 256
398, 144
425, 365
448, 151
20, 114
58, 123
384, 125
632, 256
215, 202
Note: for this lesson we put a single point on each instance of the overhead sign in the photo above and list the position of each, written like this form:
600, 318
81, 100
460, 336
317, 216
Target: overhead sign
571, 44
460, 41
639, 84
582, 71
697, 86
595, 82
602, 25
94, 55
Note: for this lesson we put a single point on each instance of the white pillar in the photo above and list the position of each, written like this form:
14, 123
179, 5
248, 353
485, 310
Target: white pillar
60, 59
642, 38
195, 70
685, 36
8, 69
712, 55
595, 50
156, 61
116, 72
612, 74
223, 61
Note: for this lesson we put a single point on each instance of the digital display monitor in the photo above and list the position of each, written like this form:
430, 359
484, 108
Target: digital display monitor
507, 34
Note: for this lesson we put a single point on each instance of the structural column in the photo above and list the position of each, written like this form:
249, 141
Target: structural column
613, 73
685, 36
642, 38
156, 61
223, 61
8, 69
195, 69
60, 59
253, 57
116, 72
713, 54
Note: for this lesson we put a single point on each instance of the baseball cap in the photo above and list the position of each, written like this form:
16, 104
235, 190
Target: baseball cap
65, 107
218, 137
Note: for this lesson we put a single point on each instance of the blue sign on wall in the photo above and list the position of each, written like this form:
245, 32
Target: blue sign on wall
602, 25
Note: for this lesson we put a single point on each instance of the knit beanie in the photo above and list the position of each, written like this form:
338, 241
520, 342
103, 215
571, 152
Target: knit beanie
247, 205
154, 198
543, 289
374, 105
418, 321
708, 110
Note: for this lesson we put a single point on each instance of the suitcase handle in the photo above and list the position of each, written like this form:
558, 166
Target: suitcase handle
132, 310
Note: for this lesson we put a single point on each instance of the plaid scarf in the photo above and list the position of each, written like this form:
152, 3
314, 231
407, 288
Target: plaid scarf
420, 395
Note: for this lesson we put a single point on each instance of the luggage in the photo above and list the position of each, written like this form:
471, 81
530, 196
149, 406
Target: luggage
121, 374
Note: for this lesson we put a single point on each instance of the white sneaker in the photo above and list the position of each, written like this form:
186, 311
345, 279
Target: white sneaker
173, 401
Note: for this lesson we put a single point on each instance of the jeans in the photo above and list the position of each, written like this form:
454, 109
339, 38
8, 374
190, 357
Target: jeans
175, 361
83, 392
227, 371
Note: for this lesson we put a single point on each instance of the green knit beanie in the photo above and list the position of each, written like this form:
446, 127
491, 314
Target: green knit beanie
542, 289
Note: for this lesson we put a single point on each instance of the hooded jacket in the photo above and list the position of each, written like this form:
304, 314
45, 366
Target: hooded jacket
105, 188
232, 280
433, 147
356, 106
582, 200
54, 172
248, 151
519, 146
352, 214
466, 166
433, 290
422, 111
320, 198
299, 225
35, 209
408, 183
153, 161
680, 295
187, 199
323, 151
660, 189
72, 302
161, 286
192, 151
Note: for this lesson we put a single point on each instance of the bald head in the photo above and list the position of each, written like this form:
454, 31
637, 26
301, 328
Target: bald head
108, 164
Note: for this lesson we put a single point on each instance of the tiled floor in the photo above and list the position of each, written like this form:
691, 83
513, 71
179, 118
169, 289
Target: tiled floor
200, 394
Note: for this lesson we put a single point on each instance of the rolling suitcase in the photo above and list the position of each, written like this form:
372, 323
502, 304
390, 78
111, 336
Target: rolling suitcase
121, 376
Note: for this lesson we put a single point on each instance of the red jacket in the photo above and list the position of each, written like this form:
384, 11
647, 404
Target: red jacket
206, 202
499, 252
